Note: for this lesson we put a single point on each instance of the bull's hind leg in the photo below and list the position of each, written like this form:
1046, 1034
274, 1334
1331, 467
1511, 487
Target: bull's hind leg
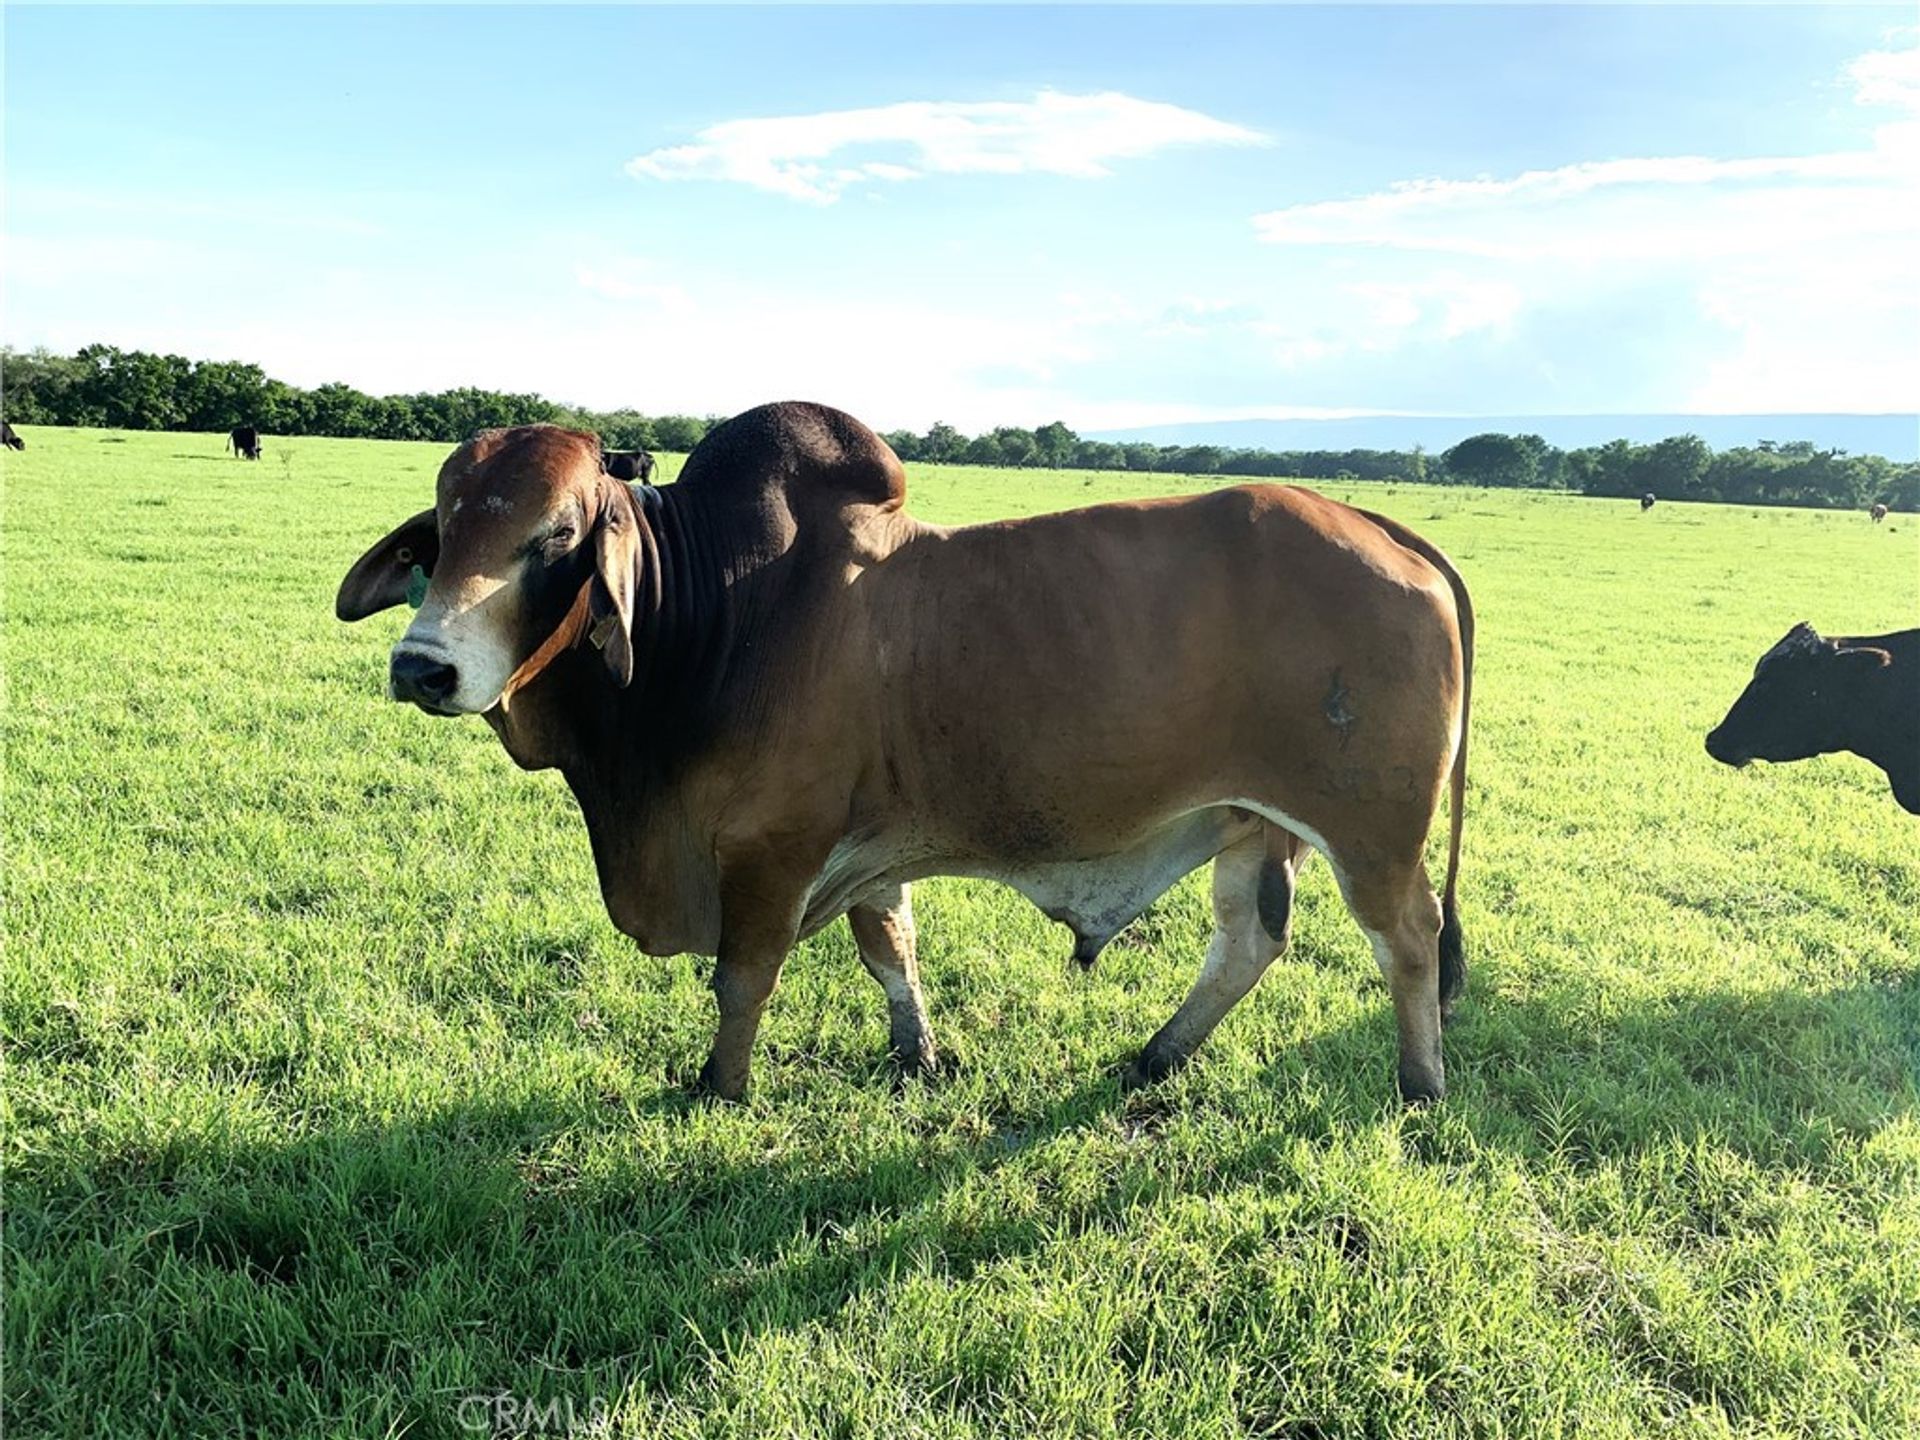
1401, 916
1252, 916
883, 929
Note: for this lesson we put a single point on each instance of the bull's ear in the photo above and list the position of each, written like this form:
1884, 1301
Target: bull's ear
616, 565
379, 578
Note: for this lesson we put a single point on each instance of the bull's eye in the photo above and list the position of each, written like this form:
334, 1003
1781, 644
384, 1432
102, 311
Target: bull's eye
404, 555
558, 540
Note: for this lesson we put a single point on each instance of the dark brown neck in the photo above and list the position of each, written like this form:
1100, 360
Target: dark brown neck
717, 576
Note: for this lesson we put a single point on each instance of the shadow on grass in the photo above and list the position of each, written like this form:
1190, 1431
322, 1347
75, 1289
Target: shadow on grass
385, 1270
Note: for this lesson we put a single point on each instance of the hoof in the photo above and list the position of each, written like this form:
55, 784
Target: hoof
1148, 1068
711, 1086
1417, 1092
921, 1062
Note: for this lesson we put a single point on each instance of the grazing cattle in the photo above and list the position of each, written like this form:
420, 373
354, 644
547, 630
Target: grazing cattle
244, 441
1646, 502
1811, 695
629, 465
1878, 513
778, 698
9, 438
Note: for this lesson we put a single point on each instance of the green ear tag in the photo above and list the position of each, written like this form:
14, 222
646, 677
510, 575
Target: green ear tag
417, 588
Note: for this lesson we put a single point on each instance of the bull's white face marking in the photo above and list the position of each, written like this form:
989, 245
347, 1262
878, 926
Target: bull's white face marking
465, 626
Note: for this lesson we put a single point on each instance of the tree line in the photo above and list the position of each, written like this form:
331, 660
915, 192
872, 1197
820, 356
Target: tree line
104, 386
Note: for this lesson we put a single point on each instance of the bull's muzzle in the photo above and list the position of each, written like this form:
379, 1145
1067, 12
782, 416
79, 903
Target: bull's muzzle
1723, 750
422, 678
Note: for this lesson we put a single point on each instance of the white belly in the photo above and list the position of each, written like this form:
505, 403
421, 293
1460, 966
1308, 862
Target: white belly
1097, 897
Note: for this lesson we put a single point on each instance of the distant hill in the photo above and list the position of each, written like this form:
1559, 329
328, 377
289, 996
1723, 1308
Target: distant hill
1895, 436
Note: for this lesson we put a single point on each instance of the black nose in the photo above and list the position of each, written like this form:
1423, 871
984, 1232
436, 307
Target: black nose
1720, 750
421, 678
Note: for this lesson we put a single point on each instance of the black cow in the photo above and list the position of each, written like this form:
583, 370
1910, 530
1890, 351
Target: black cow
1646, 502
9, 439
1811, 695
244, 441
1877, 513
628, 465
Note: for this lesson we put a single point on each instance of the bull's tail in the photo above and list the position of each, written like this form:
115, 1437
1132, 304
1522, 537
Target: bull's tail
1453, 950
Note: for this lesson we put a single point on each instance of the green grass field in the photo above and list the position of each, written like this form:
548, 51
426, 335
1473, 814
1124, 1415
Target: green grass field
335, 1106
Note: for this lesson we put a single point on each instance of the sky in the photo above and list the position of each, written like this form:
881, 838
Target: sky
986, 215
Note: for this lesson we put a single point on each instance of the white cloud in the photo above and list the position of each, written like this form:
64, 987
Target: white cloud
1802, 272
1888, 77
148, 210
629, 281
42, 261
1844, 338
1053, 134
1648, 208
1618, 209
1449, 305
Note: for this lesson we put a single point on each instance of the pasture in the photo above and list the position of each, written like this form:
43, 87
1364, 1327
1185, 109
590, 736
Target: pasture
335, 1106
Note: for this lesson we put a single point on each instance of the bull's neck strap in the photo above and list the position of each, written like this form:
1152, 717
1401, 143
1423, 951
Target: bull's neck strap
565, 635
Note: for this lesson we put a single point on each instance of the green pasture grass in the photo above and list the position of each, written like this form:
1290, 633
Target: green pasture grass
334, 1106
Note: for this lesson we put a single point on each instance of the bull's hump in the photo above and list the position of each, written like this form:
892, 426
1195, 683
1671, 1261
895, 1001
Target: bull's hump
804, 448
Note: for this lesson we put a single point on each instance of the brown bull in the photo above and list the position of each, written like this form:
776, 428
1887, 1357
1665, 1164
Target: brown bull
779, 698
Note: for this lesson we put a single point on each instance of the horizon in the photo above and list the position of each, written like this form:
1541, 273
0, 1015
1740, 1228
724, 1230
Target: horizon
1116, 218
1277, 415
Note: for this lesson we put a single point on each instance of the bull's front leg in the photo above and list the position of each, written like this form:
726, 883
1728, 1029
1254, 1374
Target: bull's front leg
759, 922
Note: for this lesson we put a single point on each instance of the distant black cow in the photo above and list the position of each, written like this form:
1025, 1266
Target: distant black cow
9, 439
244, 441
1646, 502
628, 465
1811, 695
1878, 513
